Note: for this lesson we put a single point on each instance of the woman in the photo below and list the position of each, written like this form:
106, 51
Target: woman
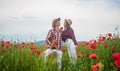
69, 38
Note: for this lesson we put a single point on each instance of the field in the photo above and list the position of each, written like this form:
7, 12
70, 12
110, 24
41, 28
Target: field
102, 54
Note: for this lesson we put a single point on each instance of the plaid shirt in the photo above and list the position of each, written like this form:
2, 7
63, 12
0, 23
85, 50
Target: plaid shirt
55, 34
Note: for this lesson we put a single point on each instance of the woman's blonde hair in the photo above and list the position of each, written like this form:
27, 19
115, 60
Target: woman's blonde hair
67, 25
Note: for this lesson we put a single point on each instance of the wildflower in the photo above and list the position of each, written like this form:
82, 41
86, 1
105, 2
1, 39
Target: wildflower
79, 55
23, 46
23, 43
32, 43
11, 46
110, 34
3, 44
32, 47
113, 49
93, 56
94, 68
7, 43
94, 41
99, 40
103, 38
37, 52
61, 28
116, 38
117, 63
109, 38
86, 43
116, 56
97, 67
105, 46
93, 46
3, 50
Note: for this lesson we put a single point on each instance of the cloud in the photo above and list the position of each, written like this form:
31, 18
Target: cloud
90, 17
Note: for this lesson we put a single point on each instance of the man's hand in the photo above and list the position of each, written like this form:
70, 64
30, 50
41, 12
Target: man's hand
47, 45
52, 45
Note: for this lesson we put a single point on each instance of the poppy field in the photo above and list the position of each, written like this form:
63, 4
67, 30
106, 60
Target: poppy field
102, 54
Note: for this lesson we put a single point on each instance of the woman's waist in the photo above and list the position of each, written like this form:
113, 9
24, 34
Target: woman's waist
68, 39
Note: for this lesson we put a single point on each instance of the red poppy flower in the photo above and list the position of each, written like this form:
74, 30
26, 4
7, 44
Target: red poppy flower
110, 34
117, 63
93, 56
3, 44
116, 38
7, 43
98, 67
113, 49
94, 68
103, 38
23, 43
61, 28
99, 40
86, 43
100, 37
32, 47
79, 55
23, 46
32, 43
116, 56
94, 41
3, 50
37, 52
105, 46
93, 46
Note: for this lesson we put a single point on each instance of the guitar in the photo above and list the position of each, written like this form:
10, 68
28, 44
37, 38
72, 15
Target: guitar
54, 43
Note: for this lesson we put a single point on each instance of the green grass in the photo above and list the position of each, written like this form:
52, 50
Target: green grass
25, 59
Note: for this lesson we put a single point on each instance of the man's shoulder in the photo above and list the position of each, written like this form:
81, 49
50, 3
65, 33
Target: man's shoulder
50, 30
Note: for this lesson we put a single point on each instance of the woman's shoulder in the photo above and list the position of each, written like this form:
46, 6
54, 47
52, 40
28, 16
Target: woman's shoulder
70, 29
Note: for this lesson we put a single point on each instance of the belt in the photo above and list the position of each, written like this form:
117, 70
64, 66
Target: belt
53, 48
67, 39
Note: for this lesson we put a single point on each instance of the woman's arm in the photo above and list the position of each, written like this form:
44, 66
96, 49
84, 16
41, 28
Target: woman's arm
73, 36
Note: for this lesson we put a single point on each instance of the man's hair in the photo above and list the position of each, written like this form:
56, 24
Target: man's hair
54, 21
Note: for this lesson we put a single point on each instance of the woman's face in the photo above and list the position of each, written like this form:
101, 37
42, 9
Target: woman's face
65, 24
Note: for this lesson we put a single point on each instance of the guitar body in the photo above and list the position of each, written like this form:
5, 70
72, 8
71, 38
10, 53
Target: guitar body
54, 42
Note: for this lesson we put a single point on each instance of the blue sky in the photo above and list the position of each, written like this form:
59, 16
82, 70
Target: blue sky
29, 20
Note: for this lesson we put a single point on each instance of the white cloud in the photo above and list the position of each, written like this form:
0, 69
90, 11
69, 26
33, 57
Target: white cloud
90, 17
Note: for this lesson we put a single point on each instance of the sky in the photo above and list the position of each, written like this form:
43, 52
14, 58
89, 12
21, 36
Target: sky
30, 20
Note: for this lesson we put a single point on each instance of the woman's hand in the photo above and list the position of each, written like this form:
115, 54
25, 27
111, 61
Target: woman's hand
76, 47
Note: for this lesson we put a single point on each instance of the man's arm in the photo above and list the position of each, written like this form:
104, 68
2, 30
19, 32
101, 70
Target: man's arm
48, 36
59, 41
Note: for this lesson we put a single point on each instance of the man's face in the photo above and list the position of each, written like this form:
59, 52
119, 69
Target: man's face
57, 24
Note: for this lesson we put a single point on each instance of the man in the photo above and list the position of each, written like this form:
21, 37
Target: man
54, 33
